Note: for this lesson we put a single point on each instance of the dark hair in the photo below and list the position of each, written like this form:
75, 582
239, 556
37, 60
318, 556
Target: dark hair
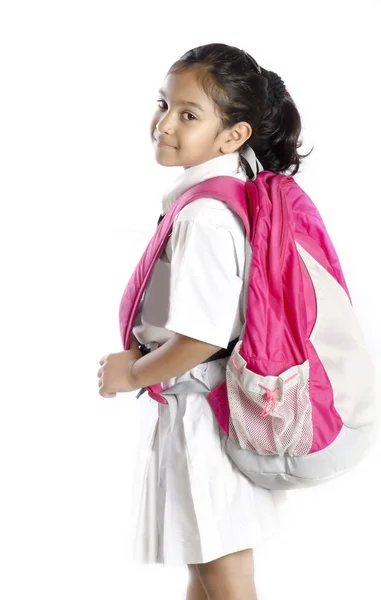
231, 81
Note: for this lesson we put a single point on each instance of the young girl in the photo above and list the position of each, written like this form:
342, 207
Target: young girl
218, 113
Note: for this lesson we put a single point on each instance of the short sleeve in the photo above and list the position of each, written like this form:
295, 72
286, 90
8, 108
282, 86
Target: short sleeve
204, 286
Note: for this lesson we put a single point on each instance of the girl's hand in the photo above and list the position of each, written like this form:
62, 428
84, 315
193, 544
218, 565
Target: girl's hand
115, 374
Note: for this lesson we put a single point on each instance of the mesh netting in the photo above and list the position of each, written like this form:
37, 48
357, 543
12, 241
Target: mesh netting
287, 428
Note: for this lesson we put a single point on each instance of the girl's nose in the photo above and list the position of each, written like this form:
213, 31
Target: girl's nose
165, 125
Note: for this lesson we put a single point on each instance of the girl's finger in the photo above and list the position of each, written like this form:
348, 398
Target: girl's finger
106, 395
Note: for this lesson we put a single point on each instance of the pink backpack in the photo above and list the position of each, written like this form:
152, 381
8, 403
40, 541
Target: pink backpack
297, 407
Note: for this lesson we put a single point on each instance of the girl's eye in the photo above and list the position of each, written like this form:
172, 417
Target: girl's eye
192, 117
188, 113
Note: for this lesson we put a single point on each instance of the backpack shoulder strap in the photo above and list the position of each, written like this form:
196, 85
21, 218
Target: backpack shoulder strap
228, 189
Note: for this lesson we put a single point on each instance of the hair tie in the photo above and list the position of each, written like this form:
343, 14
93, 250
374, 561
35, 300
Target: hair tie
276, 89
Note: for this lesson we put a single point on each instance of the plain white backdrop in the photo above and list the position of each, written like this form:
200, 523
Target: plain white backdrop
80, 196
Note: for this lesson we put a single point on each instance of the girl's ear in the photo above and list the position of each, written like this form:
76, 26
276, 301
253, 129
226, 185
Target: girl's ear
235, 137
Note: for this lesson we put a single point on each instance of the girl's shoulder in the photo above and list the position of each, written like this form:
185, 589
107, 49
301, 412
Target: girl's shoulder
209, 212
212, 212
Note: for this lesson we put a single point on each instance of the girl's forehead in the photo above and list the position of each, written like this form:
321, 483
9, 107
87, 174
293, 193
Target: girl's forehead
185, 87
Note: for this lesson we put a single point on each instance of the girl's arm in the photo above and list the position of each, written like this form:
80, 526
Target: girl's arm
176, 356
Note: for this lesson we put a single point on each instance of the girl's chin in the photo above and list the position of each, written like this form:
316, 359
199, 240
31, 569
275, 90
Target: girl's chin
167, 161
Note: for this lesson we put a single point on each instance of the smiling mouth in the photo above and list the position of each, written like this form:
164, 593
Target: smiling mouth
162, 145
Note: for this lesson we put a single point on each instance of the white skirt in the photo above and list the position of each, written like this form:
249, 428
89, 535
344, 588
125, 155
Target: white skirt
191, 504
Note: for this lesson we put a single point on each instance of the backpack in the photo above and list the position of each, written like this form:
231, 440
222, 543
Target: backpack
297, 407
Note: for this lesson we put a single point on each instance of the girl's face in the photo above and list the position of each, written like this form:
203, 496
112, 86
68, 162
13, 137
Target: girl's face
185, 127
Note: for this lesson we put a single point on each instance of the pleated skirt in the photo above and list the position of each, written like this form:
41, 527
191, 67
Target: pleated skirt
190, 503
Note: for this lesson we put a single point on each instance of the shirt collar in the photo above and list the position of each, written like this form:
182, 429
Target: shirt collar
226, 164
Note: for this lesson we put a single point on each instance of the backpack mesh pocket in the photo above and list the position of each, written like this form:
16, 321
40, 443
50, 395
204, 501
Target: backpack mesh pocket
269, 415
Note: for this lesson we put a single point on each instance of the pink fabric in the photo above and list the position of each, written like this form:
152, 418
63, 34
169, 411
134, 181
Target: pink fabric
218, 402
271, 397
276, 315
311, 232
155, 392
222, 188
310, 298
219, 188
327, 423
279, 318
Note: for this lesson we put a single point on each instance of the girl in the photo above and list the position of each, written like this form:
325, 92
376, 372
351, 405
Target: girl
218, 113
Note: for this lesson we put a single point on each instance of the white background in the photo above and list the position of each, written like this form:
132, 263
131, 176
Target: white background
80, 196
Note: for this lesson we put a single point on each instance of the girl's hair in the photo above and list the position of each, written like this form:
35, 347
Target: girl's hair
231, 81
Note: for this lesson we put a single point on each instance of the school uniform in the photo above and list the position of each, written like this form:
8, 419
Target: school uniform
190, 502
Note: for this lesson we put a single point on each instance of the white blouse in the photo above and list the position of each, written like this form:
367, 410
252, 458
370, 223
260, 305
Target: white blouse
196, 287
